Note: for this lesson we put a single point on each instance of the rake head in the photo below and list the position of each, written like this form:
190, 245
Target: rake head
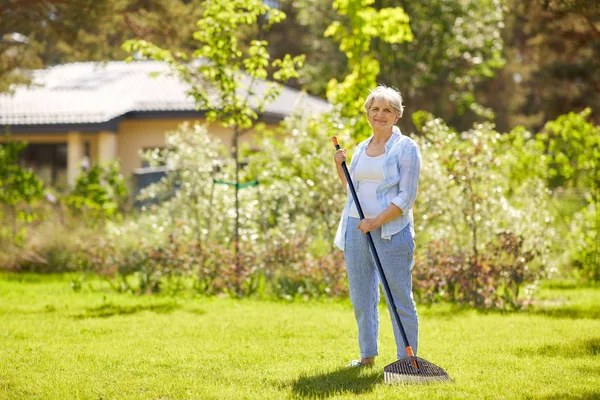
414, 370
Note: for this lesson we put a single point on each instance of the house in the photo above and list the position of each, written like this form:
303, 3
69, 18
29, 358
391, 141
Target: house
98, 111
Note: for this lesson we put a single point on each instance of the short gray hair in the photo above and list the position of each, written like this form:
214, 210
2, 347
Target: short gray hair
388, 94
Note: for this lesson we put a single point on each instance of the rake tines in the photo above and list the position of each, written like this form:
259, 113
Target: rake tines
404, 371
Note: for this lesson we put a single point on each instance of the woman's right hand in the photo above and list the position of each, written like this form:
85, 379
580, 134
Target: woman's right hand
340, 157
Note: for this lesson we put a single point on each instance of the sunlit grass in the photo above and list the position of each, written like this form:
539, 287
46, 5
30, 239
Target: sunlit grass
58, 344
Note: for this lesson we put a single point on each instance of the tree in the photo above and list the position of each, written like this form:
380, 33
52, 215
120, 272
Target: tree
553, 63
38, 33
453, 47
324, 59
225, 72
363, 25
457, 44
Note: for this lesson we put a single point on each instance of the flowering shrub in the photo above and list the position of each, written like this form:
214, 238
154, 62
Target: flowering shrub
280, 222
469, 199
573, 161
306, 275
302, 191
484, 229
180, 265
495, 279
485, 232
584, 242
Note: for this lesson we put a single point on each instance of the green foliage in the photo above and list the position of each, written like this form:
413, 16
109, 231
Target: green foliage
457, 46
302, 192
215, 82
182, 265
526, 157
19, 188
484, 237
37, 235
553, 68
469, 208
188, 192
53, 246
191, 198
573, 161
306, 274
364, 24
573, 146
584, 242
184, 242
99, 193
448, 51
224, 82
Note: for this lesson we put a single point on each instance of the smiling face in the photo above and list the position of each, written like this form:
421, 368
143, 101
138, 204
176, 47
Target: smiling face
382, 116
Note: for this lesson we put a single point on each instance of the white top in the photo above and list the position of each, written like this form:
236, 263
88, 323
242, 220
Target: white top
368, 176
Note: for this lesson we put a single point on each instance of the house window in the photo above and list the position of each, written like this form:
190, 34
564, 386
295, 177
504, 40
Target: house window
146, 150
48, 161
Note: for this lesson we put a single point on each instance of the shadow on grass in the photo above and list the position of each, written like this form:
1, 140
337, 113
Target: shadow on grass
592, 346
106, 310
568, 313
444, 310
585, 348
571, 396
591, 370
342, 381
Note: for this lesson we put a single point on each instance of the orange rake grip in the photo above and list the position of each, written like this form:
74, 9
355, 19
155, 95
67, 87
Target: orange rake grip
335, 142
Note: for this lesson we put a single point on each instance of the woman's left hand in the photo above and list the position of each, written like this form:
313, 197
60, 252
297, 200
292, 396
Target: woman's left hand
368, 224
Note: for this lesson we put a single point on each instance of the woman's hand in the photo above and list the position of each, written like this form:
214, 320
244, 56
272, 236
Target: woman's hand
340, 157
390, 213
368, 224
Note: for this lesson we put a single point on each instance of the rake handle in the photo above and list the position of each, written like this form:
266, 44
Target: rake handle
386, 287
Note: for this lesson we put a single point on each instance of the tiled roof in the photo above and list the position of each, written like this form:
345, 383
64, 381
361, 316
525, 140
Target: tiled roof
97, 92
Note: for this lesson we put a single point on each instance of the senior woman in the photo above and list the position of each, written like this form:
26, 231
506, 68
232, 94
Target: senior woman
385, 170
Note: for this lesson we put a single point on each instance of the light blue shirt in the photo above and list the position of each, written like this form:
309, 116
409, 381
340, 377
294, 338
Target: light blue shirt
401, 171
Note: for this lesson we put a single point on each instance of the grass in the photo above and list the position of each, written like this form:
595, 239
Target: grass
58, 344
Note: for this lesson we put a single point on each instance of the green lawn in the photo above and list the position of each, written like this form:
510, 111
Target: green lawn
58, 344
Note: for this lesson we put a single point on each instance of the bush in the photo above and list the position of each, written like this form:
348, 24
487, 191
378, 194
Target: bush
573, 161
19, 189
283, 222
584, 243
485, 231
301, 188
181, 265
469, 199
100, 193
494, 280
483, 226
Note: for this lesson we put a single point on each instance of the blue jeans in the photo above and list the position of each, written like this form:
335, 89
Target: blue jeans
397, 259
